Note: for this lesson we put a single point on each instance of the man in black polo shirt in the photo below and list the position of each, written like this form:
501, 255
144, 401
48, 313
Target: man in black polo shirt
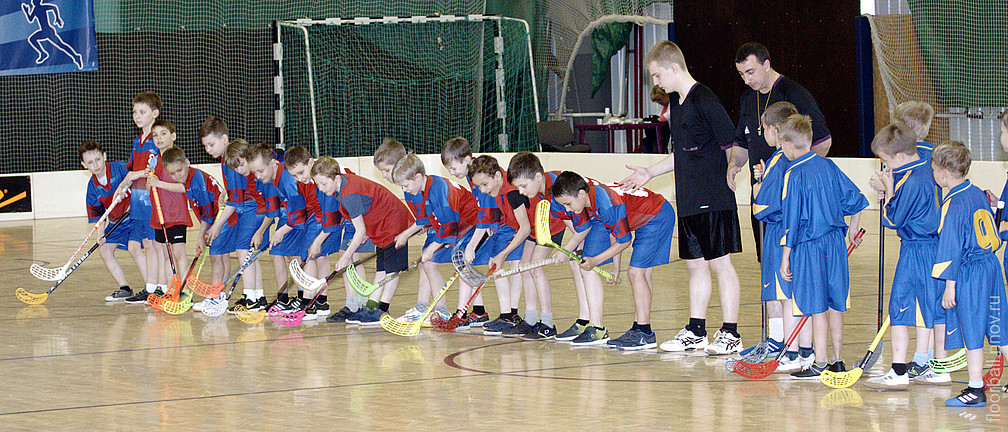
708, 216
767, 86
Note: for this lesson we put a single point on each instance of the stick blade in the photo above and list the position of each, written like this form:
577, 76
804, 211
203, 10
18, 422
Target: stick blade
949, 364
249, 317
542, 223
29, 298
399, 328
445, 325
202, 288
156, 301
216, 309
47, 274
756, 370
358, 283
286, 319
178, 307
468, 274
873, 357
840, 379
303, 279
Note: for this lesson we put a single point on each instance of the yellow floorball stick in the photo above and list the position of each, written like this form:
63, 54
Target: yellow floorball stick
543, 238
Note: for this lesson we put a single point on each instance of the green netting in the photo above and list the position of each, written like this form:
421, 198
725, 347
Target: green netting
420, 83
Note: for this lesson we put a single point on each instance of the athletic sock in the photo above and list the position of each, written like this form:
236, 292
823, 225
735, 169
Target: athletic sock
921, 358
249, 294
150, 287
899, 368
531, 317
322, 298
581, 322
383, 306
301, 295
791, 355
775, 327
820, 365
422, 307
441, 309
698, 326
644, 328
730, 328
514, 311
259, 294
976, 385
371, 304
283, 297
352, 304
479, 310
805, 352
546, 318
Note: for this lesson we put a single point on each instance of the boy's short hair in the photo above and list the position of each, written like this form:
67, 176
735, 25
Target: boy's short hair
455, 149
524, 165
236, 149
296, 155
261, 150
952, 156
88, 146
778, 111
148, 98
173, 155
896, 137
752, 49
325, 166
913, 113
796, 129
389, 152
568, 183
664, 54
485, 164
165, 123
407, 167
213, 125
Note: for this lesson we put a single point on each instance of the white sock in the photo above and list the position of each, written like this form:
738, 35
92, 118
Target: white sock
163, 287
258, 295
249, 293
776, 328
150, 287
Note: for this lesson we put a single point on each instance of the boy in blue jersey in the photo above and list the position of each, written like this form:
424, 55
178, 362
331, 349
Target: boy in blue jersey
448, 209
966, 263
911, 208
239, 219
767, 208
651, 221
105, 177
815, 199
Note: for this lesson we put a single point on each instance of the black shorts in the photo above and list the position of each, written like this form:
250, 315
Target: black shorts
176, 234
557, 238
709, 235
391, 260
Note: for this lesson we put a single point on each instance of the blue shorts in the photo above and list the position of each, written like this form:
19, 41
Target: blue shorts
293, 243
443, 255
966, 324
597, 241
121, 236
348, 233
912, 301
495, 244
773, 286
997, 314
652, 243
140, 216
820, 278
239, 236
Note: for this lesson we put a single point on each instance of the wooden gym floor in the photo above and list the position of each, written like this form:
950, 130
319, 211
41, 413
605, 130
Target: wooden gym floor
77, 363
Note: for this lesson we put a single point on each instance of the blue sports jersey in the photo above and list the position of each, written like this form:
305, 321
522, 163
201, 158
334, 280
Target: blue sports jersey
913, 208
143, 155
488, 215
329, 212
767, 208
99, 196
203, 192
283, 200
924, 149
445, 206
815, 199
966, 231
241, 191
1004, 235
767, 204
606, 207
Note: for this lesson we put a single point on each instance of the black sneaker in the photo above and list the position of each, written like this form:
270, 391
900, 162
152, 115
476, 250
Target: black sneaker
810, 373
257, 305
519, 330
322, 308
244, 301
139, 297
311, 312
120, 295
292, 305
541, 331
970, 397
340, 315
478, 320
914, 370
836, 366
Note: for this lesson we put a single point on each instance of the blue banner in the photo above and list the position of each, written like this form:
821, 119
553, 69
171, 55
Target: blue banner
47, 36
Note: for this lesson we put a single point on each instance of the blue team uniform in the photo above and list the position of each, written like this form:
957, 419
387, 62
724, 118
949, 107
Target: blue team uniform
967, 240
815, 199
203, 192
285, 203
144, 155
767, 208
244, 196
448, 209
99, 197
496, 214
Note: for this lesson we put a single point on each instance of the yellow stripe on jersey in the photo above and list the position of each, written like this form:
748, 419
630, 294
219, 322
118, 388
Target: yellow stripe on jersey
757, 208
795, 310
944, 211
939, 268
783, 239
902, 180
780, 292
787, 175
920, 318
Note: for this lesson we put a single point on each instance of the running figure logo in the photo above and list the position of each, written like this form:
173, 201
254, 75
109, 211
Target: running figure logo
37, 11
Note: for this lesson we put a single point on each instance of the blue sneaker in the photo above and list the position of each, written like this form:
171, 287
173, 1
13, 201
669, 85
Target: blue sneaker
633, 340
497, 326
970, 397
357, 316
372, 317
773, 348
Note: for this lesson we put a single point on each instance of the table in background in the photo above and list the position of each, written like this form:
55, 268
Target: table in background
610, 130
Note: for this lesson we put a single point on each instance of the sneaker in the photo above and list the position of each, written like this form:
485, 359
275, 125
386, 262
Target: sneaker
244, 301
209, 301
120, 295
340, 315
685, 340
836, 366
497, 326
372, 317
478, 320
311, 312
257, 305
292, 305
541, 331
931, 377
322, 308
591, 336
724, 343
634, 340
411, 315
970, 397
357, 316
810, 373
914, 370
574, 331
888, 382
519, 330
788, 365
773, 348
140, 297
806, 361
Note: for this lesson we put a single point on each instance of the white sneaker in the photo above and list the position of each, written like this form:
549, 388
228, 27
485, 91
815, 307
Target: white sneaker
198, 306
807, 361
933, 378
724, 343
889, 381
683, 341
787, 365
411, 315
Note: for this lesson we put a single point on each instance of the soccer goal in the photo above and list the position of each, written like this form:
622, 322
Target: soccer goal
344, 84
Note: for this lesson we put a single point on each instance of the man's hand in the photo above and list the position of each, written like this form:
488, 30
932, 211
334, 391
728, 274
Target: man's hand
638, 179
733, 171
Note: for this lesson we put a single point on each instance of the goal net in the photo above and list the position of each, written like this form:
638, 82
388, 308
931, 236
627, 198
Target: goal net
952, 57
344, 84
